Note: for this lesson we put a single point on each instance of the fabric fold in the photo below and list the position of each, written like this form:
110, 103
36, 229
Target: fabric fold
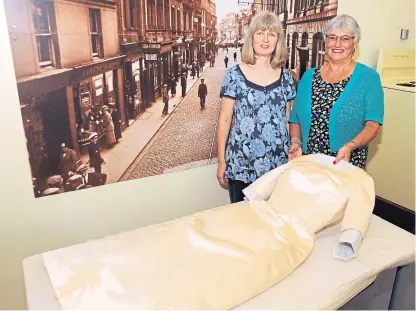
215, 259
222, 257
320, 193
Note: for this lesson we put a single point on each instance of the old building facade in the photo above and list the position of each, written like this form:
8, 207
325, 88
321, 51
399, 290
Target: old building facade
212, 34
303, 22
66, 69
230, 29
73, 57
166, 34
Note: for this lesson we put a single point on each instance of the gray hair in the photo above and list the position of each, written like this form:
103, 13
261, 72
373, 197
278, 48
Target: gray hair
345, 22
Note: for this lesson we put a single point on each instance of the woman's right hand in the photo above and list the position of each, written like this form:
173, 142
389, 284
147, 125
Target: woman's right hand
295, 150
221, 175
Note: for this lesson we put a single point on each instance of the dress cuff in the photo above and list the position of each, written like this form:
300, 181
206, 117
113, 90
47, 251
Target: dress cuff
349, 244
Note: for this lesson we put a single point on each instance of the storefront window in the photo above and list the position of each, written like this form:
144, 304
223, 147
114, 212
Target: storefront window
136, 67
98, 87
136, 79
85, 94
110, 87
91, 112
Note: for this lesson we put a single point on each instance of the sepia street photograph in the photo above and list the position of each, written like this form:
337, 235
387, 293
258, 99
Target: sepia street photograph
115, 90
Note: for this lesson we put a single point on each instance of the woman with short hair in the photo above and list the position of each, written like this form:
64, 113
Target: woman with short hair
340, 105
252, 130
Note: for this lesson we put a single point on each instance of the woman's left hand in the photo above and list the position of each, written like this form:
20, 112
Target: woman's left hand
344, 153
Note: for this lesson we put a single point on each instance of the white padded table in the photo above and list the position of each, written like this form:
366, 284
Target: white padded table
321, 282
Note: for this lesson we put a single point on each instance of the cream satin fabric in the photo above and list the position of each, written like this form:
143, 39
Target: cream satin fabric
313, 189
215, 259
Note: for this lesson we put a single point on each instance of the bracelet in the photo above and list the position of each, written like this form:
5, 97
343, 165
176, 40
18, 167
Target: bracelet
354, 143
296, 140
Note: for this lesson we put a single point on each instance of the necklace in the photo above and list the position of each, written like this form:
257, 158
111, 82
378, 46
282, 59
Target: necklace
340, 73
332, 75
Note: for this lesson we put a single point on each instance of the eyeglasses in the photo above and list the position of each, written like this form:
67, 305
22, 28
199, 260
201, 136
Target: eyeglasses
344, 39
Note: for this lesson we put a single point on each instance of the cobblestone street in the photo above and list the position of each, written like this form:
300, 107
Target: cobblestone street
187, 139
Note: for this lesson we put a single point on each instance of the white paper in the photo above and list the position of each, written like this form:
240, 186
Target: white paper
98, 82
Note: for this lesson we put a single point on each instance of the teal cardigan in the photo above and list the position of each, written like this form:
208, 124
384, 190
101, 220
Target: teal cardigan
362, 100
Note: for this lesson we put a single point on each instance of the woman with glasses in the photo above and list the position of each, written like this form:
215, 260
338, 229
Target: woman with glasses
252, 129
340, 105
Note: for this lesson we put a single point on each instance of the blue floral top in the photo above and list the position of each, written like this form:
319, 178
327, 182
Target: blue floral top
258, 140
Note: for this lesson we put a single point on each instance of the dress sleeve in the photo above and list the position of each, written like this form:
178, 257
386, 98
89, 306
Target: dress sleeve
374, 101
290, 88
229, 86
264, 186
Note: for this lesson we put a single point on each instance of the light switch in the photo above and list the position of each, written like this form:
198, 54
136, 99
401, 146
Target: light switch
404, 34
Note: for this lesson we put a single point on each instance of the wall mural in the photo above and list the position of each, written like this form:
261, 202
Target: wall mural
91, 89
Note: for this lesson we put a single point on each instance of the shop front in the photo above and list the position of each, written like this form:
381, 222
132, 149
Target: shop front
93, 87
135, 104
177, 58
154, 76
66, 107
147, 83
135, 82
193, 51
202, 49
165, 65
210, 46
45, 116
158, 64
187, 53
